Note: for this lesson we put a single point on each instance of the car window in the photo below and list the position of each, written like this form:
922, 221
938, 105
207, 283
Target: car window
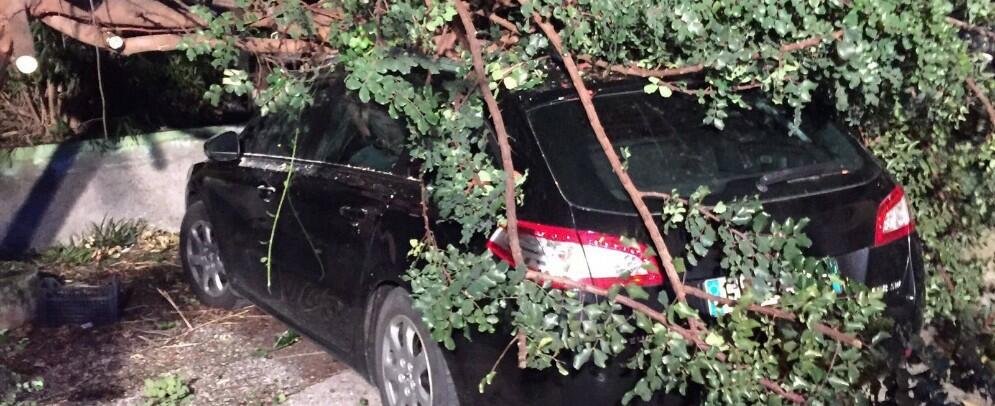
360, 134
274, 134
669, 147
336, 128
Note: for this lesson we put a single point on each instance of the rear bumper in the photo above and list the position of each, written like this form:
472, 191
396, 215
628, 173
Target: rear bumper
896, 267
591, 385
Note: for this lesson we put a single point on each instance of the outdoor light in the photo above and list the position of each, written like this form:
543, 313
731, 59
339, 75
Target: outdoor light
26, 64
114, 41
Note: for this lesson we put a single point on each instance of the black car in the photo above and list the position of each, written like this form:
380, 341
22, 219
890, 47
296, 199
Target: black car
339, 250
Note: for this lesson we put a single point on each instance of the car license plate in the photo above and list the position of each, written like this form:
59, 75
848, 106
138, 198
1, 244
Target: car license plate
721, 287
732, 289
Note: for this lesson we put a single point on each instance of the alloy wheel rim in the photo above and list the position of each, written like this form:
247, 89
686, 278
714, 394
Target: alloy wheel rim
405, 366
204, 261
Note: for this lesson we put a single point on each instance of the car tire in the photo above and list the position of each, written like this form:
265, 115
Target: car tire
409, 367
201, 260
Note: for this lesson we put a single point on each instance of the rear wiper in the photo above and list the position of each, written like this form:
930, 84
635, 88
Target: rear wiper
803, 172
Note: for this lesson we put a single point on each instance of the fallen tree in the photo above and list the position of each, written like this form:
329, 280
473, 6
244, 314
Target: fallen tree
900, 73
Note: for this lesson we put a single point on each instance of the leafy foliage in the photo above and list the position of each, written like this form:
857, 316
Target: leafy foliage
110, 237
166, 390
895, 70
62, 99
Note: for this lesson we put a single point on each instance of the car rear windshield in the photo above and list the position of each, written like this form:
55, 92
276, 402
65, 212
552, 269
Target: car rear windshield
667, 146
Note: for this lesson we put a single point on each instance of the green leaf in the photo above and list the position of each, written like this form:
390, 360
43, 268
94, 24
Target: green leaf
582, 357
636, 292
665, 91
684, 310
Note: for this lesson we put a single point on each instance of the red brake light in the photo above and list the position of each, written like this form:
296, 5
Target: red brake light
584, 256
894, 219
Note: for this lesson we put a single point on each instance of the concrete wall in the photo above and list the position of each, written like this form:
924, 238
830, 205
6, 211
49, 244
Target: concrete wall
49, 193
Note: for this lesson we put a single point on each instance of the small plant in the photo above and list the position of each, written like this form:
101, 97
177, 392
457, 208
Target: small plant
111, 233
165, 325
8, 395
286, 339
109, 238
166, 390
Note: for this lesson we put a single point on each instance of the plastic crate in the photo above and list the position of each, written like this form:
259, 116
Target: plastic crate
76, 304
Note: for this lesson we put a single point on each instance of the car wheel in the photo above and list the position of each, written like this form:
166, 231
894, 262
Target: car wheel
201, 260
409, 367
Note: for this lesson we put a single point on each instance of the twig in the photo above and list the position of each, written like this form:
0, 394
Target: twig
279, 209
946, 279
153, 332
181, 345
306, 354
523, 349
100, 76
774, 387
175, 307
505, 352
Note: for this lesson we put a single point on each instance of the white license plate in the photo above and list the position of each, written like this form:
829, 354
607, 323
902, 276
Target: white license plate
721, 287
732, 289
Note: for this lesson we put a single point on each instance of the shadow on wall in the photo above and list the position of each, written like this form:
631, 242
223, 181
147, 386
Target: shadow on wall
60, 185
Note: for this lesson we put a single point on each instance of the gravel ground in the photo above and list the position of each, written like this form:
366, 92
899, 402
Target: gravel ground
225, 358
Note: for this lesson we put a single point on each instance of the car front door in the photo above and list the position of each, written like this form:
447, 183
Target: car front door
338, 202
260, 233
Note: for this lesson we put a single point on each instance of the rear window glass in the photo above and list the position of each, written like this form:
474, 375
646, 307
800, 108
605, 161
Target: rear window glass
669, 147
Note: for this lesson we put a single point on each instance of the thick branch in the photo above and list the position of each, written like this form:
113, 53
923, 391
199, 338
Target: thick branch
777, 313
599, 131
506, 164
774, 387
985, 101
972, 28
689, 69
114, 13
688, 335
502, 133
633, 304
92, 35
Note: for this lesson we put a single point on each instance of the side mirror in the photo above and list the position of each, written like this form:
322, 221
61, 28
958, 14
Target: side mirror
224, 147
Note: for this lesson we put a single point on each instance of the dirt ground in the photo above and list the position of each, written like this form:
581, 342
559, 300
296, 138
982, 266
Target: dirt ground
224, 357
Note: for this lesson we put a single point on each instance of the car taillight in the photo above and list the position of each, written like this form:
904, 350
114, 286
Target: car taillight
584, 256
894, 218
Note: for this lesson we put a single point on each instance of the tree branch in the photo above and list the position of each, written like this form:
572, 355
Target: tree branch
774, 387
689, 69
971, 27
631, 303
985, 101
687, 334
599, 131
506, 163
778, 313
91, 35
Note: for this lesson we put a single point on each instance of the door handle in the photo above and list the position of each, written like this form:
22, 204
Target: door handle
353, 213
266, 192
